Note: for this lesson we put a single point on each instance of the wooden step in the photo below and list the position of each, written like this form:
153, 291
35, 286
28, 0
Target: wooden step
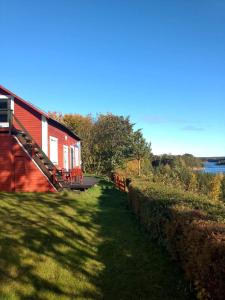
60, 180
28, 140
50, 168
36, 150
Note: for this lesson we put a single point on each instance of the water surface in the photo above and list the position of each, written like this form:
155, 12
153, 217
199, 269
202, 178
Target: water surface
212, 167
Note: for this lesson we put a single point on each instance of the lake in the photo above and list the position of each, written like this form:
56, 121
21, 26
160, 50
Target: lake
212, 167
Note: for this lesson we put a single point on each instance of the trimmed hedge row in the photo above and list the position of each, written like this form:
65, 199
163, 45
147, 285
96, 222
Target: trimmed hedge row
193, 229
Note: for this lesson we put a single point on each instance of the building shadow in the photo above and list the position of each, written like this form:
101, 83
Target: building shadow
41, 227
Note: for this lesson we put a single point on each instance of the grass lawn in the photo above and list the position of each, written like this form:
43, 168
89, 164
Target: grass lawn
80, 246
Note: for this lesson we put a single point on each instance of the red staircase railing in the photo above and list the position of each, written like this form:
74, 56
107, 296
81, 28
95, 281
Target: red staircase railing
74, 175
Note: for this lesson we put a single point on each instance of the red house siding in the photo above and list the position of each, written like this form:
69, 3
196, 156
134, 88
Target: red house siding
64, 139
30, 119
18, 171
6, 163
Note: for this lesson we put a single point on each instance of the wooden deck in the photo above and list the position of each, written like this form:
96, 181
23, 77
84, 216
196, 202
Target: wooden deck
86, 184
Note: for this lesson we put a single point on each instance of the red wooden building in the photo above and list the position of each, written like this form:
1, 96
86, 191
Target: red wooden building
37, 153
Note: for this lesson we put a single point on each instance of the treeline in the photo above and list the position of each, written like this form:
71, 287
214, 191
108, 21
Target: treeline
187, 160
108, 141
184, 178
221, 162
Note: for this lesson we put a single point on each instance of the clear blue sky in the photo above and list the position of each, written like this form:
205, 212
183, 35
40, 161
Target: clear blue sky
161, 62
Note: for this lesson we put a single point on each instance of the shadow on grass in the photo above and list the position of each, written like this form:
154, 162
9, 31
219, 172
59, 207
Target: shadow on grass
135, 267
41, 250
86, 246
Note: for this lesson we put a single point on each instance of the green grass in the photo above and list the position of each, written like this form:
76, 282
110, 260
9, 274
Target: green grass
80, 246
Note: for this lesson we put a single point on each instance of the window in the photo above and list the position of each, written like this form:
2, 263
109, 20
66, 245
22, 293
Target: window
4, 118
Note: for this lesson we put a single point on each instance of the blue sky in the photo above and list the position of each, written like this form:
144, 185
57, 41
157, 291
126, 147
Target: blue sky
161, 62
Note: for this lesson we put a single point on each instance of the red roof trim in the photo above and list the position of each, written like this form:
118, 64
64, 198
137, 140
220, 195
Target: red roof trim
41, 112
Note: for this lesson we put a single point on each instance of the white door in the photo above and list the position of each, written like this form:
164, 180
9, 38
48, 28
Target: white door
54, 150
65, 158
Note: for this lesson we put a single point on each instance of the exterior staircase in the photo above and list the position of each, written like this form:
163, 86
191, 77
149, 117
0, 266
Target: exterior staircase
36, 153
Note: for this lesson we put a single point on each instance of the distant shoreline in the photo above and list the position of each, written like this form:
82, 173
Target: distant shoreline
222, 163
198, 168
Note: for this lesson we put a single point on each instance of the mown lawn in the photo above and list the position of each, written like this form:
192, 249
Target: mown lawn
80, 246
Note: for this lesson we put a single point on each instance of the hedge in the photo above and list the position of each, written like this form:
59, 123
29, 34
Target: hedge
193, 229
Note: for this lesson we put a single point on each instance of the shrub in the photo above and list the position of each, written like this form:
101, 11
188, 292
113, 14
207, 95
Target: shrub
216, 187
193, 229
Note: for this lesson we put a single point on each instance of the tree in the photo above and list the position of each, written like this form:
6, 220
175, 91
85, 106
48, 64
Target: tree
216, 187
193, 183
141, 149
223, 188
56, 116
107, 141
112, 141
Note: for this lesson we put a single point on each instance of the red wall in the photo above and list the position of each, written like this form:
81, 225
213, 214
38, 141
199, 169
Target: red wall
17, 171
30, 119
61, 136
6, 163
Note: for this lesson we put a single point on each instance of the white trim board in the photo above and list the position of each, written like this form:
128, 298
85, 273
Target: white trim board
44, 134
11, 99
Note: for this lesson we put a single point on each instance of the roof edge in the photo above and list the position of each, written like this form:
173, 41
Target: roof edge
66, 128
41, 112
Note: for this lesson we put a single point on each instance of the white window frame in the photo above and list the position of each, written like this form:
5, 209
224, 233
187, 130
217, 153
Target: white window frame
11, 99
56, 162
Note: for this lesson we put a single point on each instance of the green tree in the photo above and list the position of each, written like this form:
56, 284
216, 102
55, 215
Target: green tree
223, 188
216, 187
56, 116
112, 141
141, 149
193, 183
107, 141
